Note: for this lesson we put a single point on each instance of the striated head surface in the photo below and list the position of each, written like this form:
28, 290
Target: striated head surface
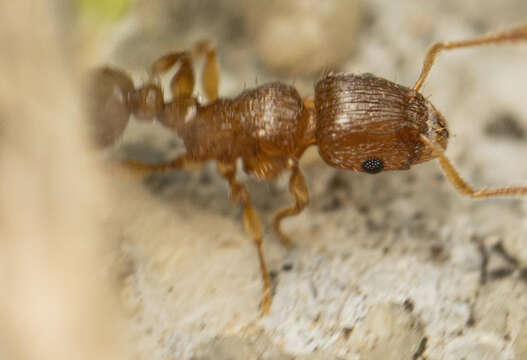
366, 123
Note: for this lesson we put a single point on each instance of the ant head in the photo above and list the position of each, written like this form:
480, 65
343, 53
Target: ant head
369, 124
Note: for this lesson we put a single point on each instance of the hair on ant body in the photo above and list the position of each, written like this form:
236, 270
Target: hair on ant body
359, 122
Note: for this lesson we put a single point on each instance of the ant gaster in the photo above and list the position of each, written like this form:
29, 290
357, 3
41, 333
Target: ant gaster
359, 122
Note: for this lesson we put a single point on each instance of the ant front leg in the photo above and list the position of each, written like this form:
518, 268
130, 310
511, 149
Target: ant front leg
515, 34
461, 185
297, 188
240, 195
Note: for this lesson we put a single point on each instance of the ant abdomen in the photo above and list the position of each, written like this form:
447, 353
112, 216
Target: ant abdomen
107, 105
112, 98
366, 123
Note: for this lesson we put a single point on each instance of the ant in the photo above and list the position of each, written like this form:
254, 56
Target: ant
359, 122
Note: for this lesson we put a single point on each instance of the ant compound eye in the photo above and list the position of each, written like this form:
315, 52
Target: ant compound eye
373, 165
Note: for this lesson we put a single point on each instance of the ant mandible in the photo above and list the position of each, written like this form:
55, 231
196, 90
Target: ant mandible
359, 122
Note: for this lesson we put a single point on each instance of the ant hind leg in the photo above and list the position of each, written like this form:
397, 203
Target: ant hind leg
297, 188
183, 81
210, 76
240, 195
461, 185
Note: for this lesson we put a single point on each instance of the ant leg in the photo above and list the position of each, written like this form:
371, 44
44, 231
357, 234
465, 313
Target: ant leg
309, 102
210, 77
514, 34
182, 83
144, 169
298, 188
251, 221
461, 185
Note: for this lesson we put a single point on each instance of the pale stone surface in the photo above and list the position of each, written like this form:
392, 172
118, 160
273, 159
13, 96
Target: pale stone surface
255, 346
387, 327
298, 36
520, 344
477, 346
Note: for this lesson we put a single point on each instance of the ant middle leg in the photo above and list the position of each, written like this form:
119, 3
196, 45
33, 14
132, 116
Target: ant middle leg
514, 34
461, 185
240, 195
297, 188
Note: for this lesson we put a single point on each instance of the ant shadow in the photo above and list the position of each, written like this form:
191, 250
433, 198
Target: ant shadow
203, 189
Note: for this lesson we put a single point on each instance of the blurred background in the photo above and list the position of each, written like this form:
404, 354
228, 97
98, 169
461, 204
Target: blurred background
397, 265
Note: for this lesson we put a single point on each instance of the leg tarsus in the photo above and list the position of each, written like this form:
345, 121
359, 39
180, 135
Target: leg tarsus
297, 188
254, 228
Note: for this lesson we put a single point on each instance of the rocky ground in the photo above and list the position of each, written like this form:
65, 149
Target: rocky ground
392, 266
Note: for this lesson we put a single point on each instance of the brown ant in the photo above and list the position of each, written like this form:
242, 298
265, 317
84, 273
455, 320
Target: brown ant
358, 121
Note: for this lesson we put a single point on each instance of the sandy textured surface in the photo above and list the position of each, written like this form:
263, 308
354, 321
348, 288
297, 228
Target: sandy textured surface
392, 266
